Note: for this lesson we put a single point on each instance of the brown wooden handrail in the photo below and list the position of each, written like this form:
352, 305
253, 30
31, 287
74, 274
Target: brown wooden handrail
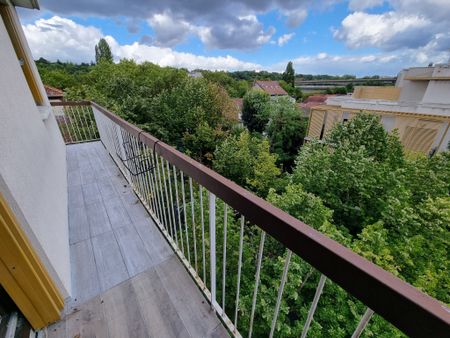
406, 307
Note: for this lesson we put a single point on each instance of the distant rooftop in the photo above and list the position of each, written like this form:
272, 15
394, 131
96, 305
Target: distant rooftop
53, 93
272, 88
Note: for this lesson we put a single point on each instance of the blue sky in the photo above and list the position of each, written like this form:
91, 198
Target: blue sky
361, 37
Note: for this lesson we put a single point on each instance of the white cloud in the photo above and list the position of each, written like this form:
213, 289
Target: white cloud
64, 39
221, 24
60, 38
295, 17
359, 5
244, 32
282, 40
389, 63
409, 24
389, 30
169, 32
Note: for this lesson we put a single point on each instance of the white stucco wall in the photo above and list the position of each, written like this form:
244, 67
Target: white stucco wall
33, 168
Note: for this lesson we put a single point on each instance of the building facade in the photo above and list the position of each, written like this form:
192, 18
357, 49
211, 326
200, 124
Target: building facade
34, 235
418, 107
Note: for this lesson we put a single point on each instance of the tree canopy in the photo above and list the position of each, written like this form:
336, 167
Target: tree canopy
103, 52
289, 74
255, 114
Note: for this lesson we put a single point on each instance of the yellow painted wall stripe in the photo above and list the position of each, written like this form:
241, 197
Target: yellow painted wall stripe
23, 275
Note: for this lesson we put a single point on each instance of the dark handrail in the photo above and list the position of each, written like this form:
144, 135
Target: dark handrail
406, 307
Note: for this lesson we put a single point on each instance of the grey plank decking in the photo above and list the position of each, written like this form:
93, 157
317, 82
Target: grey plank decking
126, 280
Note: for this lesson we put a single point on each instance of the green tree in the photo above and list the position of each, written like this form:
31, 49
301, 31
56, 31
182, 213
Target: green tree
293, 91
235, 88
355, 173
203, 142
103, 52
366, 132
246, 160
255, 114
289, 74
286, 130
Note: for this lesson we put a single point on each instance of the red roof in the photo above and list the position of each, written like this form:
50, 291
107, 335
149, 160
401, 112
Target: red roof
53, 92
270, 87
314, 100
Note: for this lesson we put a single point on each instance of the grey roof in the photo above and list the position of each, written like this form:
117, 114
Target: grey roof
32, 4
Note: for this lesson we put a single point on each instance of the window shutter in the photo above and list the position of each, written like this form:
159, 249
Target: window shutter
316, 123
332, 119
421, 137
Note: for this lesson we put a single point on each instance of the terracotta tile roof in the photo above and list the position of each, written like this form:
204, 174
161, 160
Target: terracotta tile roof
314, 100
270, 87
53, 92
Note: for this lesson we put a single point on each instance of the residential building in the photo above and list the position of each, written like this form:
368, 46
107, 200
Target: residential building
418, 107
100, 233
272, 88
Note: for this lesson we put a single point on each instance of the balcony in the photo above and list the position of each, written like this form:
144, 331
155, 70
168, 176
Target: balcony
159, 244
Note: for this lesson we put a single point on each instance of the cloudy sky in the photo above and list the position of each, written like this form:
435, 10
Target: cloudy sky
361, 37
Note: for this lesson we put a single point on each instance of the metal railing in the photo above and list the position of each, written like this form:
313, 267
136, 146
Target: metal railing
76, 121
202, 214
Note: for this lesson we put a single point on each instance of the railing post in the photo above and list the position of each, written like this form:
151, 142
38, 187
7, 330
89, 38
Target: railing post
363, 323
212, 241
317, 295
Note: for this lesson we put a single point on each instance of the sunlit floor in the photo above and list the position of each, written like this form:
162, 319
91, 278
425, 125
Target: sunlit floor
126, 280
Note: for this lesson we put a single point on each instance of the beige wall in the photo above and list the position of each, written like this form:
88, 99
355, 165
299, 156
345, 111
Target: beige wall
33, 168
381, 93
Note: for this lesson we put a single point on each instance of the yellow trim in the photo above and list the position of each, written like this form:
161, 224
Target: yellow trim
7, 14
23, 276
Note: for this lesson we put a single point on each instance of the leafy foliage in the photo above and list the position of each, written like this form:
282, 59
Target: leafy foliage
246, 160
255, 114
289, 74
235, 88
103, 52
285, 130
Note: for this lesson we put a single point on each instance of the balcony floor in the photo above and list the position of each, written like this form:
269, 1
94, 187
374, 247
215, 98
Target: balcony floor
126, 280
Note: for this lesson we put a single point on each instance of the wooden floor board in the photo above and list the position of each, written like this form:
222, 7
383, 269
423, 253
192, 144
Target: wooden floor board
87, 320
197, 315
158, 311
122, 314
